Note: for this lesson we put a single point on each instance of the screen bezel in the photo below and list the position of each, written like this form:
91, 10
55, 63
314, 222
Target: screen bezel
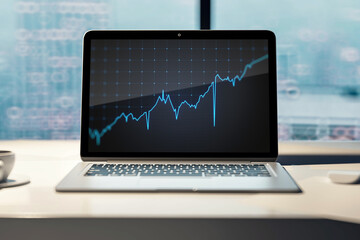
187, 34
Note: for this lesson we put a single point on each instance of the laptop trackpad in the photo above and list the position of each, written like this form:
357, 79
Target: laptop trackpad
175, 183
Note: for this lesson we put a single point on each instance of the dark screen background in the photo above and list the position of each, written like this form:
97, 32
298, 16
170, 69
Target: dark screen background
128, 76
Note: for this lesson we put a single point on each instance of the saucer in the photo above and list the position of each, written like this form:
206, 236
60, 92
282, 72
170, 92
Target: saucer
15, 180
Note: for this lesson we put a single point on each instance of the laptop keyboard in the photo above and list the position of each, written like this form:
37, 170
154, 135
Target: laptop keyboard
177, 170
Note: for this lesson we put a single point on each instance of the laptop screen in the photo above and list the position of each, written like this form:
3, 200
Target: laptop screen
178, 96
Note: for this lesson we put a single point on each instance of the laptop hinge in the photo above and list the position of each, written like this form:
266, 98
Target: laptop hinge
176, 161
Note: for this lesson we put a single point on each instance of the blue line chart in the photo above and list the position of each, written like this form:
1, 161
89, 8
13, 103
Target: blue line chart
165, 98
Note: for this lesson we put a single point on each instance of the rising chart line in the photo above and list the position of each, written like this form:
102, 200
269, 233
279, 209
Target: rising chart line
165, 98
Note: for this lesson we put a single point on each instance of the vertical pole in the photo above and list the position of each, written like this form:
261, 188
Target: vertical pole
205, 12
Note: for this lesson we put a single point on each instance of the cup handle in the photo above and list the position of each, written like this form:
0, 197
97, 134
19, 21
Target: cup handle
1, 170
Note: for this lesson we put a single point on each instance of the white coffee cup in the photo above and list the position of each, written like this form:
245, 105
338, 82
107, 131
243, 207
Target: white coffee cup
7, 160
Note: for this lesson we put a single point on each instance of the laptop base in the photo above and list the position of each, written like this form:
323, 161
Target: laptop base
76, 181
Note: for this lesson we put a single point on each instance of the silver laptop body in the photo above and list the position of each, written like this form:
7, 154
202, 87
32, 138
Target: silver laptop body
179, 111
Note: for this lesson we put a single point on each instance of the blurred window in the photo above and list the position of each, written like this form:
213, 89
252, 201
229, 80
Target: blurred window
318, 54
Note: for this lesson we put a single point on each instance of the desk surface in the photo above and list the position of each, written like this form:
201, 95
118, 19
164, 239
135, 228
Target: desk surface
47, 162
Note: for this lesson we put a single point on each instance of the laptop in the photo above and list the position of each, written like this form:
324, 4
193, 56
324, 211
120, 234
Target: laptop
179, 111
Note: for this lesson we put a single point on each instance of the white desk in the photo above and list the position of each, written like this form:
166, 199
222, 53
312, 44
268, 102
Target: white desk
47, 162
